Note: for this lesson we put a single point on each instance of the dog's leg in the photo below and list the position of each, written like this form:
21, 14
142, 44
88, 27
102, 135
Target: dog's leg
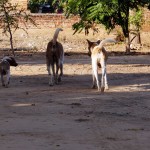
104, 74
95, 72
50, 75
106, 82
53, 77
56, 76
2, 79
7, 79
49, 72
61, 71
94, 80
103, 64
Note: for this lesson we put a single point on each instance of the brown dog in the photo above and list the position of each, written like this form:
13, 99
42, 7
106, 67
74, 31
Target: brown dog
5, 64
55, 57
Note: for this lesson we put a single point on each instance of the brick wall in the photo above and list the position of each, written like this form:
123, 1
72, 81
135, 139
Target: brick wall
52, 21
59, 20
49, 21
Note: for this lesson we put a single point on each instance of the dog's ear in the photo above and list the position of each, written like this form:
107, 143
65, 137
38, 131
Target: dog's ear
12, 62
98, 42
89, 42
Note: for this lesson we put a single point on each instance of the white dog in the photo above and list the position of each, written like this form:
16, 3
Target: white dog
99, 58
5, 64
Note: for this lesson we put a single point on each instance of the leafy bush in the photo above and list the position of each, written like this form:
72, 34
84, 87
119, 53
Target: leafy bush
33, 5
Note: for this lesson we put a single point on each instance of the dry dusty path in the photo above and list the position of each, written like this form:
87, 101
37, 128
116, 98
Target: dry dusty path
72, 116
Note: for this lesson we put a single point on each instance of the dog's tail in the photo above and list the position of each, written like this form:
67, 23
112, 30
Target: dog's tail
56, 35
105, 41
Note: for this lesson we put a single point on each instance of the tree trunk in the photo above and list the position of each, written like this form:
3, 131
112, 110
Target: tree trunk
11, 42
127, 43
135, 40
9, 29
138, 38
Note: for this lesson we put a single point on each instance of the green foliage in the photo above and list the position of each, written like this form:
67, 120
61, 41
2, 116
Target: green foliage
107, 12
58, 6
33, 5
136, 19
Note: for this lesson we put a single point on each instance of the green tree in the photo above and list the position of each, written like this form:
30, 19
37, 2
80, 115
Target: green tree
10, 18
107, 12
34, 5
136, 21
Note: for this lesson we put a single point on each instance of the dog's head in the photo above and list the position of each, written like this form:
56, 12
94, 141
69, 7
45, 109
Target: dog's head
91, 45
11, 61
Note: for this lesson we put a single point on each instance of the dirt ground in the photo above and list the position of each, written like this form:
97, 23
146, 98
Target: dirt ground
71, 115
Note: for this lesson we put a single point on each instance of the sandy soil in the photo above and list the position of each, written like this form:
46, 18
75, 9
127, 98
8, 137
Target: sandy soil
71, 115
